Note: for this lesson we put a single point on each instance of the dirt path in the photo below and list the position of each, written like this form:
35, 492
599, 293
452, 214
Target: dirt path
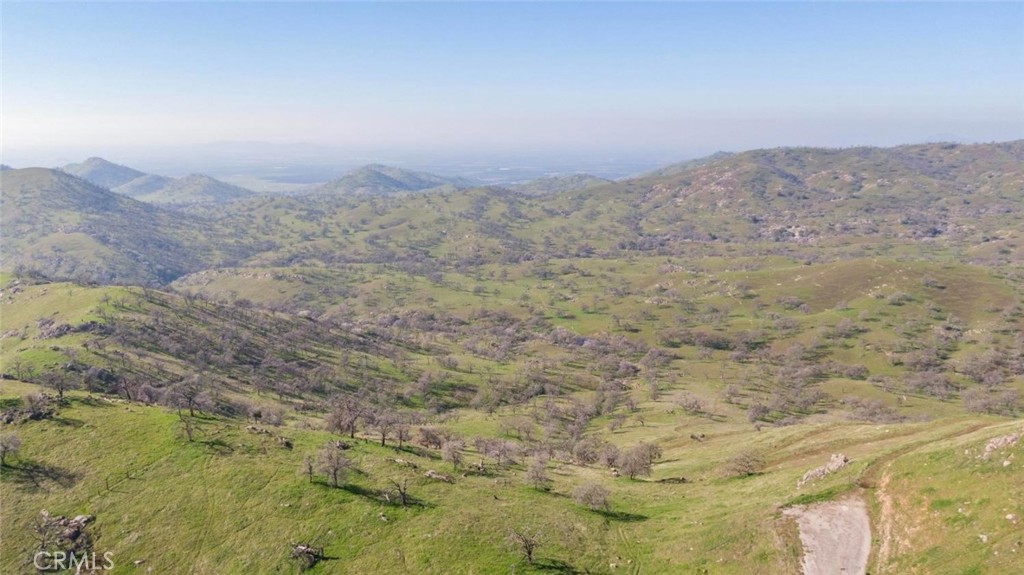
835, 535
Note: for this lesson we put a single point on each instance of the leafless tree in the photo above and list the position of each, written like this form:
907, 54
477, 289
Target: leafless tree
333, 463
37, 405
638, 460
401, 490
591, 495
384, 423
190, 393
402, 433
60, 382
434, 437
187, 425
308, 465
730, 393
526, 540
536, 473
451, 451
10, 443
743, 464
344, 417
18, 365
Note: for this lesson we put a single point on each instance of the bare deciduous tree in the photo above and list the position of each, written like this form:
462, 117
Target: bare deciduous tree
451, 452
536, 473
402, 433
591, 495
308, 466
526, 541
401, 490
333, 463
10, 443
191, 394
743, 464
187, 425
344, 417
384, 423
638, 460
60, 382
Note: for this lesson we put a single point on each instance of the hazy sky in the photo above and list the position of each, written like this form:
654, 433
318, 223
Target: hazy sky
667, 77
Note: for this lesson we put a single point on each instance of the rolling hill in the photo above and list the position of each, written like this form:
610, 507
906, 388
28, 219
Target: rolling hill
558, 184
379, 180
153, 189
185, 191
143, 185
60, 226
103, 173
641, 376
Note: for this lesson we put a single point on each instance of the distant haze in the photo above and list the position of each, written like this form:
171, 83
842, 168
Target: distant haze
599, 81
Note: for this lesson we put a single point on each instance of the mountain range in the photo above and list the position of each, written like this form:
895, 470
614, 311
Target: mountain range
677, 372
953, 195
189, 190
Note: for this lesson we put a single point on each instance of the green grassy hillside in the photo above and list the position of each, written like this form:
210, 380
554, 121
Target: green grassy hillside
233, 500
59, 226
638, 374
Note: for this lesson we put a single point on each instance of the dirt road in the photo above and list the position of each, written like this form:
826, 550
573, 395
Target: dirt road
836, 537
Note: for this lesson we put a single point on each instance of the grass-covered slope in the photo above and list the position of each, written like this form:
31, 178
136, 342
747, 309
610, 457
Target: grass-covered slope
749, 317
235, 498
57, 225
185, 191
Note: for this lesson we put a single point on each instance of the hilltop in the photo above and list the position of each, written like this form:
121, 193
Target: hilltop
153, 189
380, 180
103, 173
61, 226
686, 165
188, 190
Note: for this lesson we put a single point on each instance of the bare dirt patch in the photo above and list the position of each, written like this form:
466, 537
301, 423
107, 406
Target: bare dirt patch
835, 535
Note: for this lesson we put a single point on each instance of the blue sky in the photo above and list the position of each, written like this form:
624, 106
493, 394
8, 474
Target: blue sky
678, 78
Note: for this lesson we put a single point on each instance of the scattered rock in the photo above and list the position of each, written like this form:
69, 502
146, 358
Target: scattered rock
836, 462
68, 535
307, 554
1001, 442
439, 476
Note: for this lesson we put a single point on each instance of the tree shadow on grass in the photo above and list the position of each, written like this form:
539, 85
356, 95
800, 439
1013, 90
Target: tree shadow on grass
218, 446
417, 451
554, 566
620, 516
30, 475
67, 421
358, 490
93, 401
